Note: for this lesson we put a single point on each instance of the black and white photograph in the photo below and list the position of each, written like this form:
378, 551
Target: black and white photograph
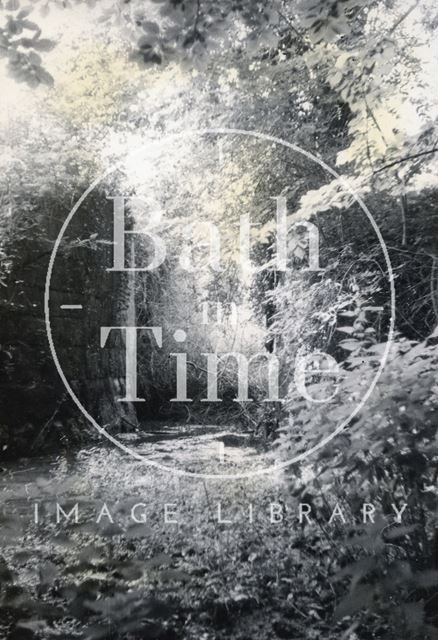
218, 320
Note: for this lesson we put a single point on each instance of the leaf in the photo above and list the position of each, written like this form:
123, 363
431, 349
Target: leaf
33, 625
34, 58
26, 42
131, 571
151, 27
29, 24
350, 345
348, 330
400, 532
152, 56
434, 333
378, 349
144, 43
43, 44
23, 13
44, 76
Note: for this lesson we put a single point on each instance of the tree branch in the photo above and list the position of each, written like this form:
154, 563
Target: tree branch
414, 156
198, 13
403, 17
291, 25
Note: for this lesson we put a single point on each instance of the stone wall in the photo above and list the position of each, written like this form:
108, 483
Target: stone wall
35, 410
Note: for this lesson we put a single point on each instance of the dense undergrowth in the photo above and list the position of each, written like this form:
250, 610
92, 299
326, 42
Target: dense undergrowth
334, 576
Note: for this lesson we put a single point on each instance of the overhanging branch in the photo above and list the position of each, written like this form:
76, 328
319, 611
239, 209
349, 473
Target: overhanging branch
414, 156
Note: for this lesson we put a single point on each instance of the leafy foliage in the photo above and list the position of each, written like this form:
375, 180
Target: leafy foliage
21, 43
352, 82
